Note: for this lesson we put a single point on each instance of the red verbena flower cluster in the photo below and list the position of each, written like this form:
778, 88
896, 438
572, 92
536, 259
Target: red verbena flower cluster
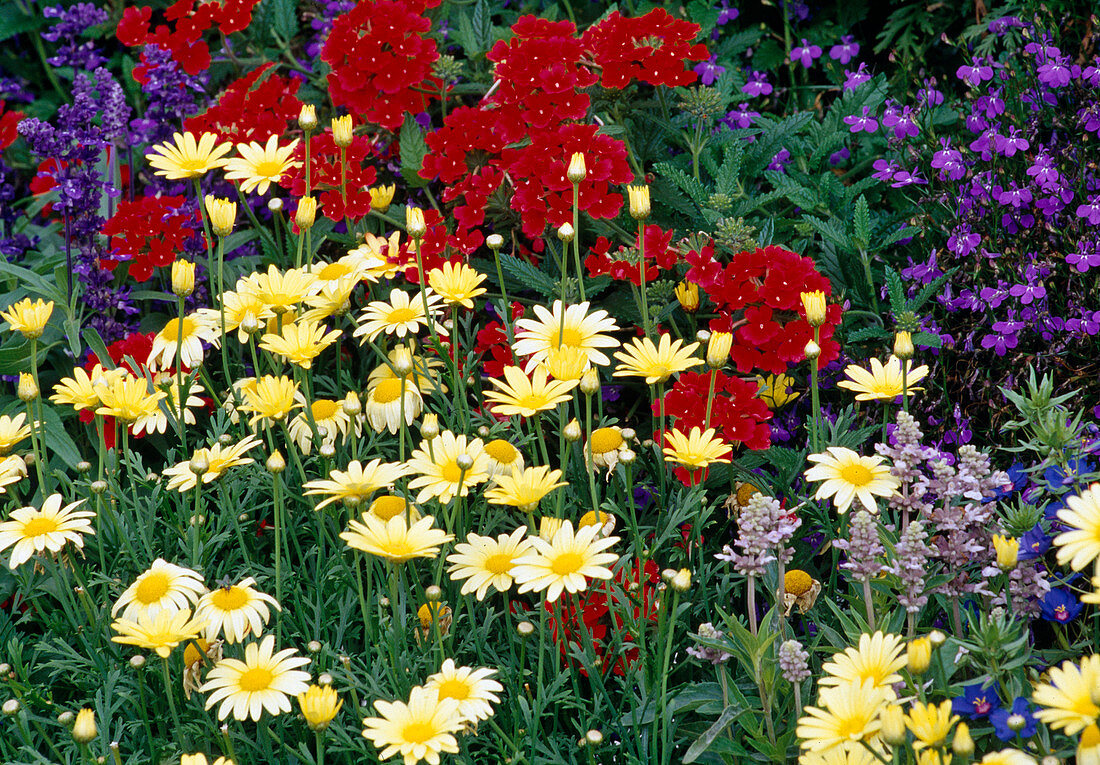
382, 61
737, 415
625, 265
147, 233
253, 108
493, 347
8, 123
520, 137
184, 38
130, 353
595, 618
758, 298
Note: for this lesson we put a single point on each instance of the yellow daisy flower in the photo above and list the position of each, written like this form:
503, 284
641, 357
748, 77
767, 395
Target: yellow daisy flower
184, 157
565, 562
356, 484
29, 531
245, 312
160, 632
456, 284
27, 318
263, 681
697, 449
199, 327
128, 399
473, 689
581, 330
12, 470
157, 421
235, 610
484, 562
930, 724
279, 291
332, 299
775, 390
449, 468
381, 255
383, 404
656, 363
218, 459
847, 715
1015, 757
605, 446
402, 315
847, 476
1081, 545
1067, 700
422, 729
300, 342
12, 431
331, 420
878, 659
258, 166
381, 197
163, 587
81, 391
527, 396
504, 459
524, 489
200, 759
882, 383
394, 539
389, 505
270, 399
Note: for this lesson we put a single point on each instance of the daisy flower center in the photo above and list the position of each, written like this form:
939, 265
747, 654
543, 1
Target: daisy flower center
451, 472
152, 588
171, 329
500, 563
37, 527
387, 507
501, 451
569, 336
797, 582
229, 599
453, 689
856, 474
567, 563
605, 440
333, 271
255, 679
324, 409
850, 728
418, 732
401, 315
270, 168
388, 390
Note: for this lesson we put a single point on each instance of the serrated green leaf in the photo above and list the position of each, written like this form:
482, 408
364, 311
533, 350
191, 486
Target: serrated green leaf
862, 223
868, 333
693, 188
928, 340
527, 275
413, 149
726, 178
896, 290
284, 18
482, 24
831, 232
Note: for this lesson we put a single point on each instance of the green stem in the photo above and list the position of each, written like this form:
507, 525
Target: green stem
577, 240
641, 274
172, 703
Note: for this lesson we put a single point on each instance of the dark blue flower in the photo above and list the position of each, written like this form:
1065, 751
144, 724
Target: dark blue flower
976, 701
1034, 543
1056, 476
1060, 605
1021, 708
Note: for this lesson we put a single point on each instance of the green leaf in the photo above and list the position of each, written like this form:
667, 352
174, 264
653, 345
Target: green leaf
730, 169
928, 339
868, 333
284, 18
482, 23
17, 358
98, 347
689, 185
897, 292
413, 149
11, 25
701, 744
831, 232
527, 275
862, 222
58, 441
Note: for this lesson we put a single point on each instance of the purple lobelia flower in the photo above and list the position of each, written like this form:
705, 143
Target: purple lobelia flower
853, 80
1090, 210
864, 122
709, 71
757, 84
806, 53
845, 50
780, 161
903, 121
727, 14
974, 74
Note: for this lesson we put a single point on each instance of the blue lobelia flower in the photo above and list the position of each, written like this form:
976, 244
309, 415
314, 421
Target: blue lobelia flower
1034, 543
1060, 606
976, 701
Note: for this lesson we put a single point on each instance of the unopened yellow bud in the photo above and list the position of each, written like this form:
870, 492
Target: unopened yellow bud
566, 233
718, 349
319, 705
893, 724
223, 214
429, 426
813, 350
341, 131
1008, 551
814, 304
590, 382
414, 222
903, 345
28, 388
577, 171
963, 743
572, 431
276, 463
84, 729
919, 655
306, 213
183, 278
680, 580
639, 202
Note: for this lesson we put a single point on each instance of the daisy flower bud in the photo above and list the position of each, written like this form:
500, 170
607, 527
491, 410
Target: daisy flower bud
963, 743
688, 296
341, 131
494, 241
814, 305
590, 382
903, 345
414, 223
275, 205
577, 171
306, 213
572, 431
28, 388
813, 350
183, 278
307, 118
566, 232
10, 708
639, 202
381, 197
84, 729
718, 349
222, 214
